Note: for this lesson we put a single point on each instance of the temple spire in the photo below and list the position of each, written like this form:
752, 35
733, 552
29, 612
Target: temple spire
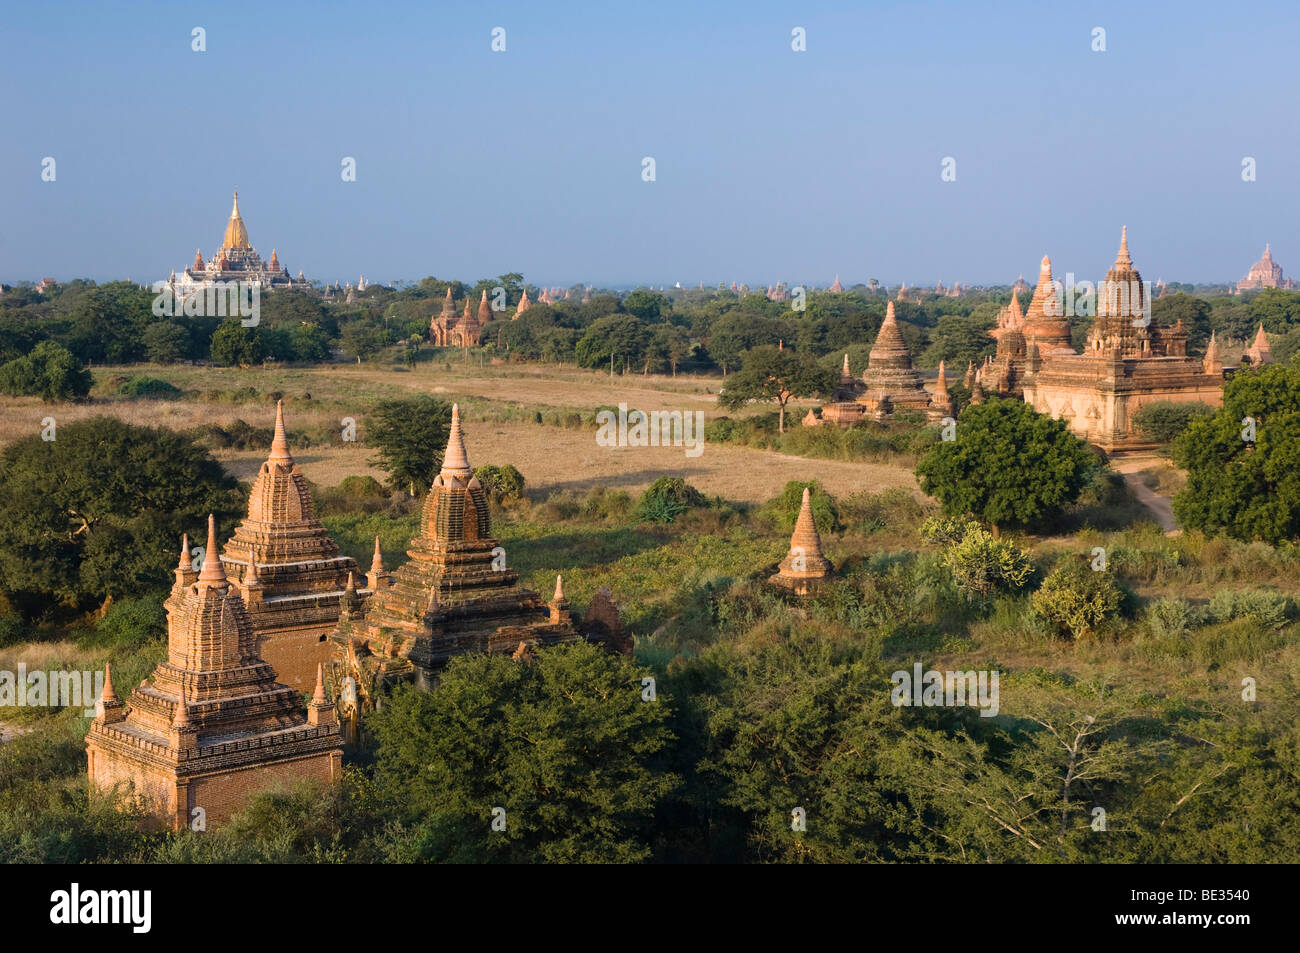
109, 694
182, 716
559, 588
280, 442
185, 564
318, 697
941, 385
1123, 261
213, 573
455, 462
377, 563
846, 372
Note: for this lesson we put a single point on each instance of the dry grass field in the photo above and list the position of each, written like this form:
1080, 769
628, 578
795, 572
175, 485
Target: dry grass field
498, 403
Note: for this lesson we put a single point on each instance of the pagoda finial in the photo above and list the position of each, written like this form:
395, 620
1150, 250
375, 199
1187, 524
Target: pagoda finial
377, 563
846, 365
108, 694
318, 697
889, 311
280, 442
1123, 259
213, 573
185, 563
559, 588
455, 462
182, 716
941, 385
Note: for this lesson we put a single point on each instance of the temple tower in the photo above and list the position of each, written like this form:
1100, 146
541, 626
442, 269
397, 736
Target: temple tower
287, 568
212, 726
890, 380
453, 595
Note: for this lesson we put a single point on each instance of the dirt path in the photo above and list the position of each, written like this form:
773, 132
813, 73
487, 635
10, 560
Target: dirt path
1160, 506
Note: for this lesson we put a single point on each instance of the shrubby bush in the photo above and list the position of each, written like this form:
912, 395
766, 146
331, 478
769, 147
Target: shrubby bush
666, 499
50, 372
147, 387
501, 482
1078, 601
1269, 610
1164, 420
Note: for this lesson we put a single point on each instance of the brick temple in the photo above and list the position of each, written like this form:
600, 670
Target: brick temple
466, 330
286, 567
452, 596
212, 726
1128, 361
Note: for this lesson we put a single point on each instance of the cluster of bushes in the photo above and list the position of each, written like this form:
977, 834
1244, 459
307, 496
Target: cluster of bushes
50, 372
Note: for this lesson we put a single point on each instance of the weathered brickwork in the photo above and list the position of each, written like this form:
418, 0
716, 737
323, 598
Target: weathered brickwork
212, 710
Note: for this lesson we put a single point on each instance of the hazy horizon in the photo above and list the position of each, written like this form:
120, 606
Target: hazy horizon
771, 165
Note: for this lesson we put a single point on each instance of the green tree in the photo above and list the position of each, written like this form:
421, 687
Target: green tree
308, 343
1164, 420
50, 372
165, 342
563, 744
99, 511
646, 305
234, 344
361, 340
1009, 465
1243, 463
776, 374
619, 338
409, 435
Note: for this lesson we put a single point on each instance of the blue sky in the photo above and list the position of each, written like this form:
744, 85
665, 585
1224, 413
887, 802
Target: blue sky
771, 164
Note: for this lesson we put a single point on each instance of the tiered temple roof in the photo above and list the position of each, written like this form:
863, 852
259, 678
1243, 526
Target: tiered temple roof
213, 724
1130, 361
453, 595
235, 260
1045, 322
890, 380
287, 568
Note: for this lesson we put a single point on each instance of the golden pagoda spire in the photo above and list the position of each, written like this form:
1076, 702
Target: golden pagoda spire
455, 462
236, 233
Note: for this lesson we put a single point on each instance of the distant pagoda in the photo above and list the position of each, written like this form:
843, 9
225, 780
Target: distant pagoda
1265, 273
287, 568
454, 595
891, 382
235, 260
213, 726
